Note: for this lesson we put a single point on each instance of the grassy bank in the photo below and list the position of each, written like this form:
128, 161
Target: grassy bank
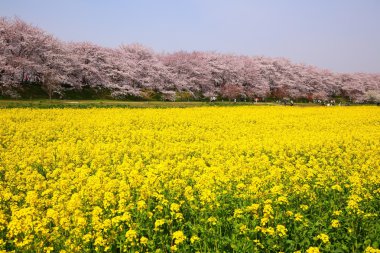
112, 104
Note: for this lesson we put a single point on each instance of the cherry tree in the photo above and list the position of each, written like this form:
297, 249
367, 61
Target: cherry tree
352, 87
372, 96
190, 72
29, 56
147, 72
232, 91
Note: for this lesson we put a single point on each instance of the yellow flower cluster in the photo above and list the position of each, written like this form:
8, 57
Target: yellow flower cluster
323, 237
209, 179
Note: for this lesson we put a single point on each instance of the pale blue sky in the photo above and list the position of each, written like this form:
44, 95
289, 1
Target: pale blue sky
341, 35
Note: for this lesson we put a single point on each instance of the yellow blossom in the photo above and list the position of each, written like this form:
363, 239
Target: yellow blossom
335, 223
281, 230
178, 237
158, 223
194, 238
212, 220
143, 240
313, 250
323, 237
131, 235
298, 217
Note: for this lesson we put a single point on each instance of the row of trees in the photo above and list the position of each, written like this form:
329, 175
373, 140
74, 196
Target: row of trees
29, 57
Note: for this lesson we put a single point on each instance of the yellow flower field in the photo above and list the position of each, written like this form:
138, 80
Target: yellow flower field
210, 179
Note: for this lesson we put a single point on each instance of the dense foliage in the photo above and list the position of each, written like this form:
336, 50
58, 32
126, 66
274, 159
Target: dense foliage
216, 179
33, 62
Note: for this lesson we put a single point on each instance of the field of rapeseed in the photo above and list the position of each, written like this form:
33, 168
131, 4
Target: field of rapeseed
242, 179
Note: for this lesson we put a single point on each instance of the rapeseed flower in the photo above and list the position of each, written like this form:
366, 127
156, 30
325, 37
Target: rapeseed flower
98, 180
